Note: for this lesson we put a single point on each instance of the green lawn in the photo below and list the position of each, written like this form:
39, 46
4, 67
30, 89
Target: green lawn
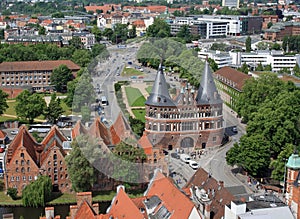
131, 72
135, 97
139, 114
149, 89
11, 108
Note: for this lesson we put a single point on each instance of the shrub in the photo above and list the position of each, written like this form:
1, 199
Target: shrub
12, 192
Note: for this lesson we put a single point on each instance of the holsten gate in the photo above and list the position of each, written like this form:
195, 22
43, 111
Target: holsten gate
192, 119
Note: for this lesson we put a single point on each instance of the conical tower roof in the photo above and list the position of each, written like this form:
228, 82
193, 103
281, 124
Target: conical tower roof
159, 95
207, 92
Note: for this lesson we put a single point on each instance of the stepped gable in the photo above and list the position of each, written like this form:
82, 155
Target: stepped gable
24, 139
54, 138
207, 91
94, 130
203, 180
159, 95
171, 197
123, 207
78, 129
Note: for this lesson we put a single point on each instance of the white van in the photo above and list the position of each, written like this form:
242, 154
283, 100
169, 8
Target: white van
185, 158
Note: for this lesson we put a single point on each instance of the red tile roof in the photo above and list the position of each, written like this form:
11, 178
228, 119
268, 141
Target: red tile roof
123, 207
172, 198
146, 144
227, 73
202, 179
24, 139
156, 8
78, 129
139, 23
3, 134
54, 138
37, 65
85, 211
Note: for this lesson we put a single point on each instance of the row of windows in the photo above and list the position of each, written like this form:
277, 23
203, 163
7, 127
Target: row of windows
25, 77
22, 169
26, 73
17, 178
23, 162
26, 82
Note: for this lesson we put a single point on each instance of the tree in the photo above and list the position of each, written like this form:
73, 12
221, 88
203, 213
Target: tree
159, 28
132, 32
213, 64
29, 106
252, 154
60, 77
85, 113
248, 44
76, 42
84, 94
259, 67
3, 104
82, 57
37, 193
13, 193
82, 174
108, 32
276, 46
296, 70
255, 92
244, 68
184, 33
97, 32
42, 30
218, 46
137, 126
99, 50
269, 25
54, 109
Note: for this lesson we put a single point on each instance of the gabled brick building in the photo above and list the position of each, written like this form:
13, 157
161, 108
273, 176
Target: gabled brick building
193, 120
26, 160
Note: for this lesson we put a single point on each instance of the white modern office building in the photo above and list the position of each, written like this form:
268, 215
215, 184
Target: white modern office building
231, 3
276, 59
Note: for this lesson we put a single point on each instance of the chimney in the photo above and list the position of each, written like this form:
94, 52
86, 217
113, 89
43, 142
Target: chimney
73, 210
207, 211
49, 212
221, 183
84, 196
96, 208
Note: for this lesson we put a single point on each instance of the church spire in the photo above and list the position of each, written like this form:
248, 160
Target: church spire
159, 95
207, 92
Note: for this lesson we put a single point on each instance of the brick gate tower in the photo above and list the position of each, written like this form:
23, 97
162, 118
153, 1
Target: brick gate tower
193, 119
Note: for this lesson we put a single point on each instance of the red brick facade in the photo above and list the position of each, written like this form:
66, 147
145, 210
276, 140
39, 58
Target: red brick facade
27, 159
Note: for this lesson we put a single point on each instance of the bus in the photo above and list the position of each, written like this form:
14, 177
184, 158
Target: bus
104, 101
40, 128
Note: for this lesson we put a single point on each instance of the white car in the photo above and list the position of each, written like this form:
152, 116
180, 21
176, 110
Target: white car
14, 132
194, 165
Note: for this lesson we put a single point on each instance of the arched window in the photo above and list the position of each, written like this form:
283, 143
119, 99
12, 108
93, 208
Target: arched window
23, 170
28, 162
22, 162
17, 169
22, 155
55, 157
28, 169
17, 162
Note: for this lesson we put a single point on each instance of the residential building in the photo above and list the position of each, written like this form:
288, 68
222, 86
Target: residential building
230, 84
87, 39
231, 3
292, 170
34, 39
209, 195
279, 30
258, 207
192, 120
34, 74
26, 160
267, 19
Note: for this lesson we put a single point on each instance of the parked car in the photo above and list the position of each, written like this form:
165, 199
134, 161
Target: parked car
2, 148
185, 158
194, 165
234, 129
175, 155
14, 132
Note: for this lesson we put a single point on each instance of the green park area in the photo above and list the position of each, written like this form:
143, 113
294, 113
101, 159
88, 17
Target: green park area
131, 72
149, 89
139, 114
135, 97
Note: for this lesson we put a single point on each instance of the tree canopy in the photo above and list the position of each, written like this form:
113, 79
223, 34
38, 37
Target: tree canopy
159, 28
37, 193
29, 106
271, 109
3, 104
60, 77
54, 109
81, 171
